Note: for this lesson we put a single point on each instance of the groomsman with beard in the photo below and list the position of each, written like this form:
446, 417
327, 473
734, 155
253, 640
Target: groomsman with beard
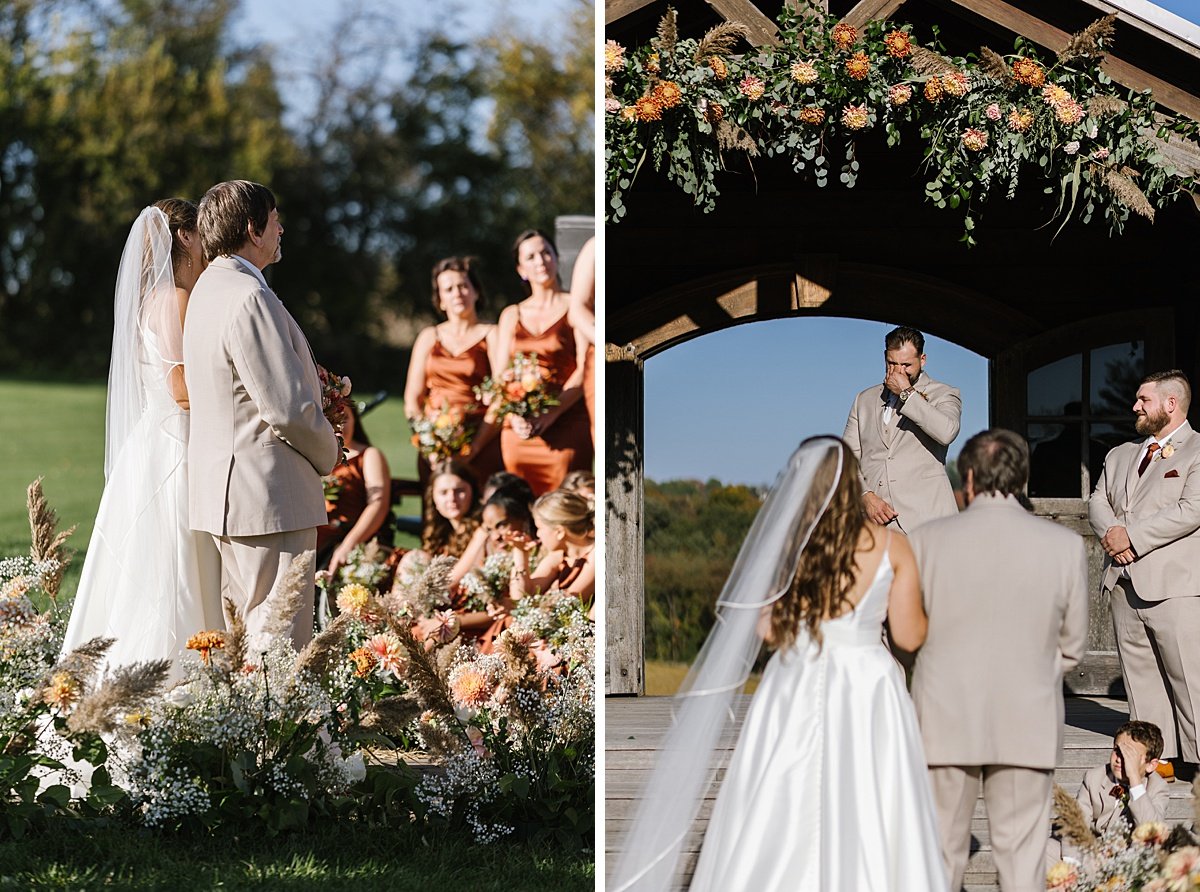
899, 432
1006, 597
1146, 509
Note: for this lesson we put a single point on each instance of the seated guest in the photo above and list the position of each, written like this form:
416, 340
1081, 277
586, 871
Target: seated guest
506, 480
1126, 786
451, 510
566, 533
358, 497
581, 483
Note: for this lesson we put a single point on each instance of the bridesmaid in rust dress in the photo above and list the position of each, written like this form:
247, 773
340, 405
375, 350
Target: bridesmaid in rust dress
545, 448
582, 317
449, 359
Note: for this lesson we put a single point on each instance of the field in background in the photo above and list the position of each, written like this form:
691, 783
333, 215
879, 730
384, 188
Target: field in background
56, 431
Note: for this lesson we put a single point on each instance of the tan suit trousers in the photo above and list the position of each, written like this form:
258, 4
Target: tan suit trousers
250, 568
1160, 663
1018, 811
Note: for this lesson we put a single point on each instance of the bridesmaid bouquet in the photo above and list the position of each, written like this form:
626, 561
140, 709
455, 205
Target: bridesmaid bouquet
521, 389
442, 434
335, 402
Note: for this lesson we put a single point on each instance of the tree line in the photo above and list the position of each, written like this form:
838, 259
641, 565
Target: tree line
107, 106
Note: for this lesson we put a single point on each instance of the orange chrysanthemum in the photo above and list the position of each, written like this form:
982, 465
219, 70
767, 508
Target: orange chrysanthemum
933, 90
1054, 95
714, 112
899, 94
646, 109
844, 36
858, 66
1020, 120
62, 692
956, 84
652, 65
804, 72
614, 56
353, 598
668, 95
752, 87
206, 642
1028, 72
719, 69
899, 44
813, 114
364, 662
975, 140
855, 117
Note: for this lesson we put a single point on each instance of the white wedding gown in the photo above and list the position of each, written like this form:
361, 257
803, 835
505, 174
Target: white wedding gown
148, 580
828, 789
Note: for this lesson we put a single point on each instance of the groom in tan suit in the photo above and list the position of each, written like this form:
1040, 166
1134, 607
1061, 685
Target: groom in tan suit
899, 432
1146, 509
259, 440
1006, 596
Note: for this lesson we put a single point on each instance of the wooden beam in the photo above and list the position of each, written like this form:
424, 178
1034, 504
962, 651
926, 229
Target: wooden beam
761, 30
615, 10
1128, 17
871, 10
1032, 28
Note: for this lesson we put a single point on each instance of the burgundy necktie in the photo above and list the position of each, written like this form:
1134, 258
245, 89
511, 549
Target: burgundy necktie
1150, 450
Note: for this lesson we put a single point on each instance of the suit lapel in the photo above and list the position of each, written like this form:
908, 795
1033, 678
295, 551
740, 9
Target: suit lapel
1181, 440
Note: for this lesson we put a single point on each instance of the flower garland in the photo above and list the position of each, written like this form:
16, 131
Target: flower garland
986, 122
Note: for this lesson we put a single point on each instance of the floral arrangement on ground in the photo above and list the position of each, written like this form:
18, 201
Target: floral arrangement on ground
988, 123
256, 733
1151, 857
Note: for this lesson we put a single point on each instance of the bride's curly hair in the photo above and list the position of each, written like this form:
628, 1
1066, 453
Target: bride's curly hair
826, 570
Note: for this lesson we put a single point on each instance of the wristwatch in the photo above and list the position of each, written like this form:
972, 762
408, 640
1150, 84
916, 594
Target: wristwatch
905, 394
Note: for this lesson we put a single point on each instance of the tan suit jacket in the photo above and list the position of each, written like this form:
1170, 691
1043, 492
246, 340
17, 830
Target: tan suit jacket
259, 440
904, 462
1161, 511
1101, 808
1006, 595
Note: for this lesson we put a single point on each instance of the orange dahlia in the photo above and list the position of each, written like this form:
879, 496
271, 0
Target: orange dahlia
62, 692
1028, 72
470, 687
668, 95
899, 44
364, 662
647, 109
855, 117
858, 66
844, 36
813, 114
205, 643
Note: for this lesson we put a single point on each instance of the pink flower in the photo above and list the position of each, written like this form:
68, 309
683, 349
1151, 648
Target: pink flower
899, 94
1100, 154
388, 653
476, 737
975, 140
1072, 147
992, 112
752, 87
612, 106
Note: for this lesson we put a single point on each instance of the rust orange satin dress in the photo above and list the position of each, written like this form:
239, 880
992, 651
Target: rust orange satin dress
567, 445
589, 389
450, 379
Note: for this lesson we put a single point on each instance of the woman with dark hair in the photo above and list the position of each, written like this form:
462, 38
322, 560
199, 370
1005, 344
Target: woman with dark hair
827, 787
357, 496
544, 448
145, 570
449, 359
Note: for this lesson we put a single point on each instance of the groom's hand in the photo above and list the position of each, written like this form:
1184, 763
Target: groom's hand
897, 380
1116, 541
877, 509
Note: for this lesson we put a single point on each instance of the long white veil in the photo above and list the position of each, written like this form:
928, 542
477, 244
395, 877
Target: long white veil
147, 330
765, 566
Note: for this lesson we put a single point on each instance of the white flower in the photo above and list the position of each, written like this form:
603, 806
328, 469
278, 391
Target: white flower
354, 768
1072, 147
345, 386
179, 696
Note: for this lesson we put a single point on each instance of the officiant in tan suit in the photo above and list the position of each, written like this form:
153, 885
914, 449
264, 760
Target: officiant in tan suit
259, 439
1006, 596
1146, 509
899, 431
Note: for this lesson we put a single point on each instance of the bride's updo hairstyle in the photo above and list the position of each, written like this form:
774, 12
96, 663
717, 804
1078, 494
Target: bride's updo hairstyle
181, 214
825, 573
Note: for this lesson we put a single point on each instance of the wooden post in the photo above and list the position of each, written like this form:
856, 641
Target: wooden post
624, 548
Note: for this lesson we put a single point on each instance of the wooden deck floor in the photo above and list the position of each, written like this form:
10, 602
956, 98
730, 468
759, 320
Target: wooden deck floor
634, 727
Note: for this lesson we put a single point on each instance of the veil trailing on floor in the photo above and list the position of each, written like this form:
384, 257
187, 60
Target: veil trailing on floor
764, 569
147, 329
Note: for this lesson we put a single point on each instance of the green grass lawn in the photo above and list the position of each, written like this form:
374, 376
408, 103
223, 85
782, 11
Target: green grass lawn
356, 859
56, 431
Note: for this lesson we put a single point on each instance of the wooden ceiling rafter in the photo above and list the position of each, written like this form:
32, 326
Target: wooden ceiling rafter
760, 30
872, 10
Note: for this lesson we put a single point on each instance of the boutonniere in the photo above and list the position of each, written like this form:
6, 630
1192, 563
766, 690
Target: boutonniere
1120, 793
1166, 452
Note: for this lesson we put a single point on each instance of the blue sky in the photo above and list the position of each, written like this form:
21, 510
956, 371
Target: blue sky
733, 405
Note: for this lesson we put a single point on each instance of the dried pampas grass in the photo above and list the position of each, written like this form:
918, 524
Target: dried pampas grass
287, 599
46, 542
720, 40
1086, 44
1071, 823
127, 689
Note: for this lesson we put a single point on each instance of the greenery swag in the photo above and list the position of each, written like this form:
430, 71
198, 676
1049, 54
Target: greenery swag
986, 121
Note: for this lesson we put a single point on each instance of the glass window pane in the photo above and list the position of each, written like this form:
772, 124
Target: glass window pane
1117, 370
1057, 388
1056, 460
1103, 438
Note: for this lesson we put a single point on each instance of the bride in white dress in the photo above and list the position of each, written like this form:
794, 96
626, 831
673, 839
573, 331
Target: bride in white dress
146, 573
827, 788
